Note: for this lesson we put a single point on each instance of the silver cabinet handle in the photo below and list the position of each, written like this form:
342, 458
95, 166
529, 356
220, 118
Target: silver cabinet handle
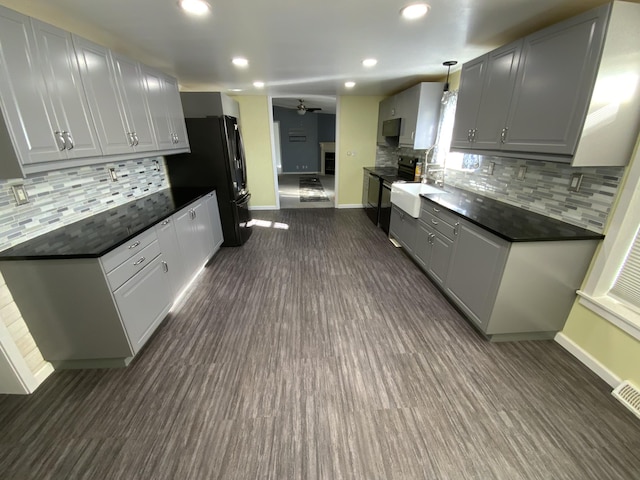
431, 237
60, 140
130, 137
165, 266
136, 141
436, 210
166, 222
134, 245
434, 222
456, 227
503, 135
142, 259
469, 135
68, 140
473, 134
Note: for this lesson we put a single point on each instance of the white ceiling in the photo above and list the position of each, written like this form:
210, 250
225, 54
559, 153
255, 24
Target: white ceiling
307, 48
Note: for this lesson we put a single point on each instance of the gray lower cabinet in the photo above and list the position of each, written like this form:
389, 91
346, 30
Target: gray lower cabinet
509, 290
404, 228
213, 211
475, 271
168, 241
99, 312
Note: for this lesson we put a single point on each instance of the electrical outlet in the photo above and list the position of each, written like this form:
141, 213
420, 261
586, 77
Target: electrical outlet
156, 165
492, 165
20, 193
522, 171
576, 181
113, 175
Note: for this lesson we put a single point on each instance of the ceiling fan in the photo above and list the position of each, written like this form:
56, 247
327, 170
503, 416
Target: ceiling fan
302, 108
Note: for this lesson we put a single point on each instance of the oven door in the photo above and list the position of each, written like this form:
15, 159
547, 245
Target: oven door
373, 198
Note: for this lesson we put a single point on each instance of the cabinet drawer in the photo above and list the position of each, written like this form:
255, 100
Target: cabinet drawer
438, 212
133, 265
127, 250
438, 224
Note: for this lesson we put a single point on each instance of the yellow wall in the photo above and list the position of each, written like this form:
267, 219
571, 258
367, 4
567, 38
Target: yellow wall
613, 348
256, 134
357, 124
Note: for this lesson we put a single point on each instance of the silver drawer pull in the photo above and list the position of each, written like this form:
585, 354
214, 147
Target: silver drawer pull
436, 210
456, 228
134, 245
166, 222
434, 222
142, 259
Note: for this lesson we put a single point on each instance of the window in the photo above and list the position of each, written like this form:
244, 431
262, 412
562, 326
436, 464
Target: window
612, 288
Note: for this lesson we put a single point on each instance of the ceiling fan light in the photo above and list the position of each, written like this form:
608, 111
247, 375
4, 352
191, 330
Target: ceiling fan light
195, 7
301, 111
414, 10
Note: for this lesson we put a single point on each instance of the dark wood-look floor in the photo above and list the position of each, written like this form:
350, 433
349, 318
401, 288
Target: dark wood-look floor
322, 352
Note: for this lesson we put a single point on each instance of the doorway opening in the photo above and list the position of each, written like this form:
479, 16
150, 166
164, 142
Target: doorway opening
305, 157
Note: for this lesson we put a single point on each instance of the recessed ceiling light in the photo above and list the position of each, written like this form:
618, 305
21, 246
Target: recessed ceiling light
195, 7
369, 62
240, 62
258, 84
415, 10
235, 89
349, 84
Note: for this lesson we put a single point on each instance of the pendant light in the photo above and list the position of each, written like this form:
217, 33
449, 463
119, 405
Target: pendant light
448, 64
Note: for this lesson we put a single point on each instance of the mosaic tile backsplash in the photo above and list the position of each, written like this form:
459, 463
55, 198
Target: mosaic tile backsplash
65, 196
544, 189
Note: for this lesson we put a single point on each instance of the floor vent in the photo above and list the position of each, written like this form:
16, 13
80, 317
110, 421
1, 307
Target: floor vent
629, 396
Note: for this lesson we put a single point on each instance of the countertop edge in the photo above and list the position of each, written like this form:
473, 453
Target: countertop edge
112, 247
595, 236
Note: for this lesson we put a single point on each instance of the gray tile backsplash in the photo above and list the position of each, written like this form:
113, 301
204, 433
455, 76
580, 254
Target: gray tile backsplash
65, 196
544, 189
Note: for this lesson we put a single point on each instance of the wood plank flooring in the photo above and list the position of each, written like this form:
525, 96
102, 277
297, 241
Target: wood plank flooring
320, 351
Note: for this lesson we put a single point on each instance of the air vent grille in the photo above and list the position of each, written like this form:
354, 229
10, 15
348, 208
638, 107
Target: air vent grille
629, 396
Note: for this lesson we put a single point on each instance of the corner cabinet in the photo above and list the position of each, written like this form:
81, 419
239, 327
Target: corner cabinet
558, 94
67, 102
508, 290
100, 312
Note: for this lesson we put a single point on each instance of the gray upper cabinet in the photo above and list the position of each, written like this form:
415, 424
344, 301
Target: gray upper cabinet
45, 117
500, 78
469, 97
134, 103
565, 58
419, 107
100, 83
166, 110
558, 94
386, 111
62, 79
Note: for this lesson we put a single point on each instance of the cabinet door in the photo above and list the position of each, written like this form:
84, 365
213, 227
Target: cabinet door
100, 83
25, 103
62, 78
475, 270
158, 108
186, 240
554, 84
469, 97
216, 224
144, 301
404, 228
168, 240
441, 248
202, 238
132, 92
174, 106
499, 80
423, 247
407, 109
386, 111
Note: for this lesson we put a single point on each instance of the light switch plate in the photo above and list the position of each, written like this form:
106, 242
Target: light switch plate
113, 175
522, 171
20, 193
576, 181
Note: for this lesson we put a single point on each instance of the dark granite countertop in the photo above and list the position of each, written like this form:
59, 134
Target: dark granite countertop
506, 221
100, 233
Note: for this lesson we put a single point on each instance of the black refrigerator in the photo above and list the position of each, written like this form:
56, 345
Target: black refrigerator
217, 161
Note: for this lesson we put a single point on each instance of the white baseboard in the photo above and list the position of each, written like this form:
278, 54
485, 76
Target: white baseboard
42, 374
264, 207
588, 360
354, 205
